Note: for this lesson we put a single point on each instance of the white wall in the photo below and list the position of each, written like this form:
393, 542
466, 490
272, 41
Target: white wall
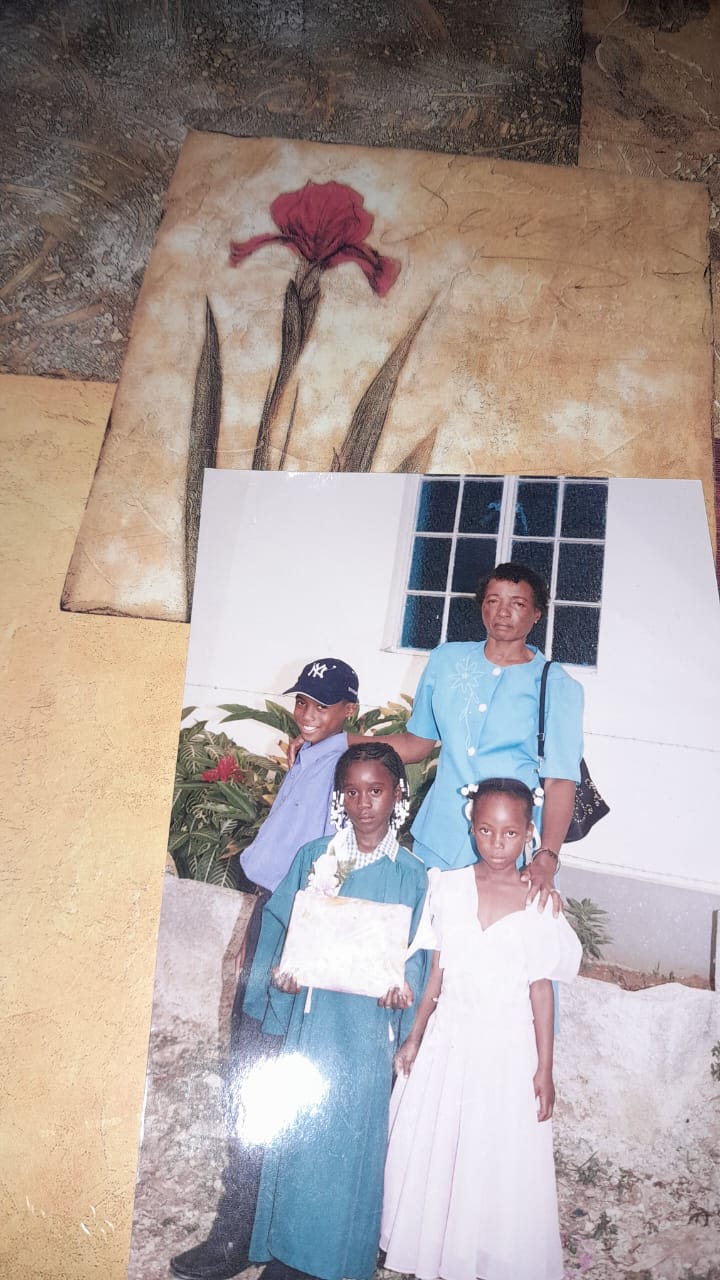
295, 566
652, 717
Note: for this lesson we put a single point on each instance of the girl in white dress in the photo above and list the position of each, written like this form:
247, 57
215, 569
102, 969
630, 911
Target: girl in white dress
470, 1180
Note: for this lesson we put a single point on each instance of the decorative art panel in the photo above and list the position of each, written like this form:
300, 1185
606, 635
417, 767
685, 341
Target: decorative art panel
313, 307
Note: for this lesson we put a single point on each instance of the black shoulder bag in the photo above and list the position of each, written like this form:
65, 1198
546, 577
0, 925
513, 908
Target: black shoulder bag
589, 804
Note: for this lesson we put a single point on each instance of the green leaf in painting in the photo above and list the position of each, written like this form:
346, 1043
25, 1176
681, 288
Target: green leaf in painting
419, 461
357, 450
202, 443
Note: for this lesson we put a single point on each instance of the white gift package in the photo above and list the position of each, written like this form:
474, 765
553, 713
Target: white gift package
346, 944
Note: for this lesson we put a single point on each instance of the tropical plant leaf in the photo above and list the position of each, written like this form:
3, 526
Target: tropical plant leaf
203, 865
225, 810
589, 921
240, 801
193, 730
357, 450
219, 744
202, 444
201, 841
284, 717
193, 756
200, 860
275, 716
186, 711
222, 873
370, 719
176, 842
267, 765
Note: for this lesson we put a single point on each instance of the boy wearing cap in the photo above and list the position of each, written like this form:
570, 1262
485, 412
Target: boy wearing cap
326, 693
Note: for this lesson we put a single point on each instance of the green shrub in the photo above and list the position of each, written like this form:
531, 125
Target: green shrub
588, 921
223, 792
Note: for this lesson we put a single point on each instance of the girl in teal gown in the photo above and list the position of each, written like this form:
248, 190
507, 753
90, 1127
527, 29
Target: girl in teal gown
320, 1198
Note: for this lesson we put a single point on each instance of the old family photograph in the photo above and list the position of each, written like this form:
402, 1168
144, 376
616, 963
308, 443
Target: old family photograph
446, 741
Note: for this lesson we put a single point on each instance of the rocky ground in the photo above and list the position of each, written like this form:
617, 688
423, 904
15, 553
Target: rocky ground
641, 1216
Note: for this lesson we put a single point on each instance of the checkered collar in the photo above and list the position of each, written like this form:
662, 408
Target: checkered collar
387, 848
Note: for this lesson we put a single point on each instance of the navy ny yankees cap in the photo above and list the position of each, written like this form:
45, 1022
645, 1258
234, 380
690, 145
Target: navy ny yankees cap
327, 681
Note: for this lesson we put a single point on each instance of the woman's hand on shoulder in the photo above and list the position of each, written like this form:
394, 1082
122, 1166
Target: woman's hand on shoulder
285, 982
294, 746
397, 998
538, 875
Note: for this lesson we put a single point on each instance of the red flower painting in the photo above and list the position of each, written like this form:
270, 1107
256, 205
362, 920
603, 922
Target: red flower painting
327, 225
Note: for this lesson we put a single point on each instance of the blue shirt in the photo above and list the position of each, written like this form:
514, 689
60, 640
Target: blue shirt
486, 718
300, 812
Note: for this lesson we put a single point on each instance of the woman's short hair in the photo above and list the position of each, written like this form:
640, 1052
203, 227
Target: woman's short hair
374, 749
512, 571
505, 787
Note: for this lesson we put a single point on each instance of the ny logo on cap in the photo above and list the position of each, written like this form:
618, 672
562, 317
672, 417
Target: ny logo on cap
318, 670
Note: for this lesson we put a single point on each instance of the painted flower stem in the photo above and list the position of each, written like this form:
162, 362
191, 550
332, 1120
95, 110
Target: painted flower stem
299, 309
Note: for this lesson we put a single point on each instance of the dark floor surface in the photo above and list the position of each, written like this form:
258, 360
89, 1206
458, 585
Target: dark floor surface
98, 97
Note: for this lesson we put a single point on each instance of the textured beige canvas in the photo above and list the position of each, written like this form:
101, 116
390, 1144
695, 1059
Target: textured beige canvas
90, 709
548, 321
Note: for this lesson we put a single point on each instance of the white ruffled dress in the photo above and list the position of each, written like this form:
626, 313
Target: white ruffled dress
470, 1179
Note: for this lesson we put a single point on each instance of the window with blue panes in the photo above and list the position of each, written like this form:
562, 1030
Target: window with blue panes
465, 525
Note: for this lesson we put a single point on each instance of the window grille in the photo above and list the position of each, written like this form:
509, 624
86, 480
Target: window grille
465, 525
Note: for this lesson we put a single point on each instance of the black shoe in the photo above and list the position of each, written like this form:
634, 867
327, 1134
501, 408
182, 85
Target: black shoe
213, 1260
276, 1270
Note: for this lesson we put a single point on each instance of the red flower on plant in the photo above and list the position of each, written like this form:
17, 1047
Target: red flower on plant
326, 224
226, 770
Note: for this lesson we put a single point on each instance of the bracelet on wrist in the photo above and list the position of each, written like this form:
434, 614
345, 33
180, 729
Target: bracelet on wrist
553, 854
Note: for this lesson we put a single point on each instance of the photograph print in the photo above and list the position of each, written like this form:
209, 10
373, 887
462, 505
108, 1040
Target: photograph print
328, 608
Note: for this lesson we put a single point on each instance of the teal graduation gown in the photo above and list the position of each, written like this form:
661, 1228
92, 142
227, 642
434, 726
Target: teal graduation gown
320, 1197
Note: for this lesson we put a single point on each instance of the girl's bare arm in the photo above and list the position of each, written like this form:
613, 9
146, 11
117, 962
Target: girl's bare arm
543, 1009
407, 1053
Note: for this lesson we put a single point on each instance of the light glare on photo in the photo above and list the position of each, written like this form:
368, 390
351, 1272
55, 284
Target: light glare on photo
274, 1094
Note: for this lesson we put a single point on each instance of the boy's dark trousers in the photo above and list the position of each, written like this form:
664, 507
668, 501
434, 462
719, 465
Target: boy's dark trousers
225, 1252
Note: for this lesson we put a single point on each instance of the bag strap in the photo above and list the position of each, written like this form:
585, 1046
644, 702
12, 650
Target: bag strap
541, 711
